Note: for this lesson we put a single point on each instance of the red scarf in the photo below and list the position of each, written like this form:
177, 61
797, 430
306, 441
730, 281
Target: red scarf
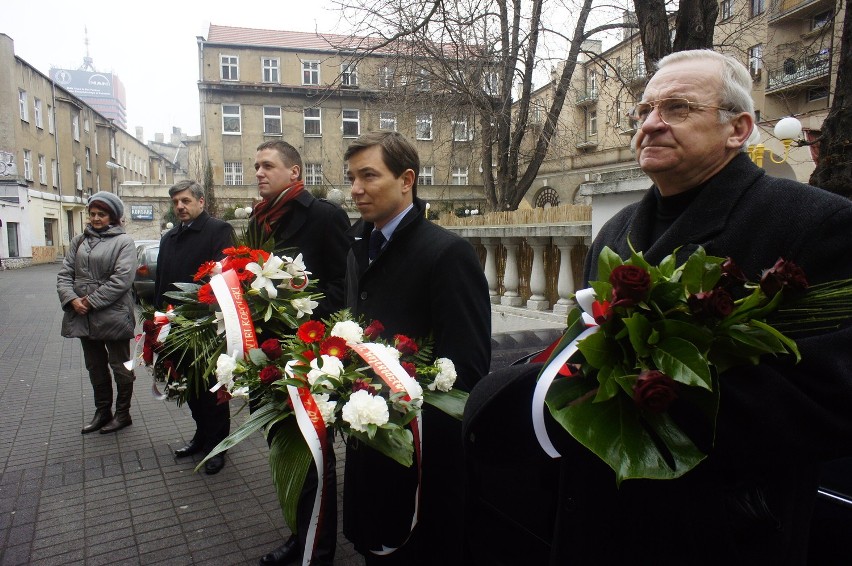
266, 212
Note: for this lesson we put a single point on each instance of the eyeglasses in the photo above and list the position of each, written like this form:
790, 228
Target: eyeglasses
98, 214
672, 110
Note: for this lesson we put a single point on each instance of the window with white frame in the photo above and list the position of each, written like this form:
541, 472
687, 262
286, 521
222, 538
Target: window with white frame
386, 77
640, 63
755, 59
88, 159
423, 127
427, 175
348, 74
37, 113
726, 9
233, 173
387, 121
42, 170
459, 176
272, 120
75, 126
112, 147
592, 122
820, 20
54, 172
23, 105
757, 7
424, 82
351, 123
51, 119
270, 69
28, 165
230, 67
78, 177
86, 124
591, 83
310, 72
491, 84
231, 122
312, 174
346, 173
313, 122
460, 130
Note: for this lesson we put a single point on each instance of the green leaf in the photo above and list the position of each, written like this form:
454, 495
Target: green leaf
608, 386
667, 266
788, 343
452, 402
257, 357
607, 261
599, 350
289, 460
396, 443
639, 331
682, 361
667, 295
700, 336
693, 271
603, 290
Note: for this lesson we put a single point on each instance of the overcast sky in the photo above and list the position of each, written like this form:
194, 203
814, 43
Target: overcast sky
150, 45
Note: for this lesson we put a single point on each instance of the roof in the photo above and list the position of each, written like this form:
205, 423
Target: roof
286, 39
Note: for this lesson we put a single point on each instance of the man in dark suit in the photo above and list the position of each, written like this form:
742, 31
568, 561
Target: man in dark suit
750, 501
198, 238
301, 224
422, 281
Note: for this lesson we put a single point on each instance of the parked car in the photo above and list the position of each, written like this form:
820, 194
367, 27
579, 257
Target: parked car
146, 271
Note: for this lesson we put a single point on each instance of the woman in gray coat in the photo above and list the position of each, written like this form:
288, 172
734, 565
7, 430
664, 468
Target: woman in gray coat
94, 290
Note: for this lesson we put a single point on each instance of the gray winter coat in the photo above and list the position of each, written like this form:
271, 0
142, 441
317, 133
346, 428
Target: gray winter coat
101, 266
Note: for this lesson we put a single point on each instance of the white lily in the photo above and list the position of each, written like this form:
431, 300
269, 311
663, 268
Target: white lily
303, 306
266, 273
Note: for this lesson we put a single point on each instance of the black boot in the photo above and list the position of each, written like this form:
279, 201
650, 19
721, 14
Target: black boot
102, 417
122, 409
103, 408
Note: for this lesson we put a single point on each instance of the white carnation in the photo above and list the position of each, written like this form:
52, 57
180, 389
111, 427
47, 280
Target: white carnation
325, 366
225, 366
326, 407
364, 409
446, 376
349, 331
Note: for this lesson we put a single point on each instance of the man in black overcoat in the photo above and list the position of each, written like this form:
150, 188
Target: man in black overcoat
750, 501
421, 281
198, 238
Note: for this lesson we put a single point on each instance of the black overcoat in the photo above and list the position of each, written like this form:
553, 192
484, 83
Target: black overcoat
426, 281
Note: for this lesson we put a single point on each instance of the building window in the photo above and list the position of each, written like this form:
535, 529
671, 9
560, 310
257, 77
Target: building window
37, 111
348, 74
491, 84
310, 73
817, 93
78, 178
755, 60
591, 83
88, 159
346, 173
351, 123
726, 9
51, 119
233, 173
820, 20
592, 122
757, 7
49, 225
423, 129
86, 125
313, 174
386, 77
54, 172
272, 120
427, 175
640, 63
460, 130
313, 122
12, 233
42, 170
459, 176
387, 121
28, 165
424, 82
231, 123
270, 69
75, 126
230, 67
23, 105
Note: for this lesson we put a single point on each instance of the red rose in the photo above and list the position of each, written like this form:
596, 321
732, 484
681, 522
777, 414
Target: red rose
630, 285
222, 396
272, 348
654, 391
783, 275
717, 303
374, 330
334, 346
361, 384
732, 275
311, 331
270, 374
205, 270
205, 295
409, 368
149, 326
405, 345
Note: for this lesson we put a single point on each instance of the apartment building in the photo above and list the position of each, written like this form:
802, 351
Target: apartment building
55, 152
319, 92
792, 50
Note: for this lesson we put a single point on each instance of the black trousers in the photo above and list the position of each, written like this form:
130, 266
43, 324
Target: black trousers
212, 421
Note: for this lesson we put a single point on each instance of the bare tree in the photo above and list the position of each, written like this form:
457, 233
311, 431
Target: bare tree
211, 202
480, 56
694, 26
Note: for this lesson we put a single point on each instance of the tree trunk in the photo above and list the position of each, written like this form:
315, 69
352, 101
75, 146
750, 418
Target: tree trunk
834, 165
653, 30
695, 23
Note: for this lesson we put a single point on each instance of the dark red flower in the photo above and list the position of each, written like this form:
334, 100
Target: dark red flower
311, 331
405, 345
732, 276
147, 354
205, 295
334, 346
361, 384
222, 396
630, 285
783, 275
270, 374
309, 355
601, 311
654, 391
272, 348
717, 303
409, 368
374, 330
149, 326
205, 270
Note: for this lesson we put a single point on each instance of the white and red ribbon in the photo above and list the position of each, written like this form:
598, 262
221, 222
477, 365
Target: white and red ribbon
397, 379
585, 298
240, 334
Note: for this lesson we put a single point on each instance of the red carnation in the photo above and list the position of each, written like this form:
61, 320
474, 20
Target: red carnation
334, 346
311, 331
630, 285
222, 396
654, 391
409, 368
405, 344
206, 269
374, 330
205, 295
783, 275
270, 374
272, 348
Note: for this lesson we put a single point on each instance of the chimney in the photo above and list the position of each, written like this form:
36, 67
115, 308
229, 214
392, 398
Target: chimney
176, 136
158, 138
139, 134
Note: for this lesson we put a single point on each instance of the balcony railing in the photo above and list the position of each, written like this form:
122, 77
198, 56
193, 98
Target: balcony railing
633, 74
782, 8
793, 72
588, 97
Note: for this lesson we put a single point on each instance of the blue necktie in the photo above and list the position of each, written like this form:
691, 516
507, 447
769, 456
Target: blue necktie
377, 239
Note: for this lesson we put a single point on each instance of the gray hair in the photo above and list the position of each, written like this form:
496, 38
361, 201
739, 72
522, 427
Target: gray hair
194, 187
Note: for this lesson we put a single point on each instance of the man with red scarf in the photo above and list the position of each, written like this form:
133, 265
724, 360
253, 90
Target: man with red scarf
298, 223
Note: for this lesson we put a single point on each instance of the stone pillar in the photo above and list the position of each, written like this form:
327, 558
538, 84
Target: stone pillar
490, 245
565, 283
538, 281
511, 297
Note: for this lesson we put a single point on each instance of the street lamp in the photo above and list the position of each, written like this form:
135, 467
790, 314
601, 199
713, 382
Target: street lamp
787, 130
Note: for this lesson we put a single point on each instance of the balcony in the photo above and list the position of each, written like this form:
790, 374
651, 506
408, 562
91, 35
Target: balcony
781, 10
633, 75
587, 98
801, 72
589, 143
